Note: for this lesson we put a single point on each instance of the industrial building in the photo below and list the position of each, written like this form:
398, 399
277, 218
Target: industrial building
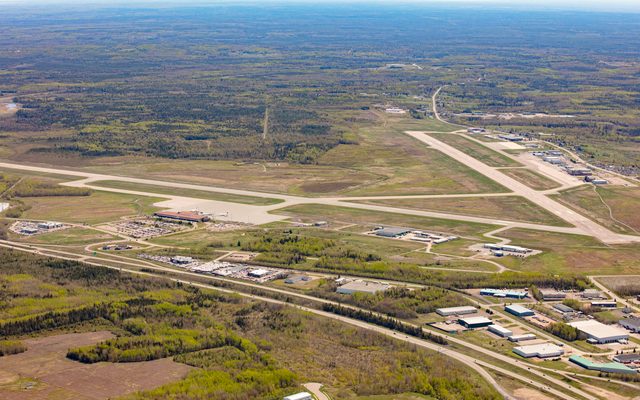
591, 294
632, 324
564, 309
513, 294
553, 160
610, 367
604, 303
189, 216
552, 295
511, 138
392, 232
519, 311
49, 225
629, 358
500, 330
522, 338
259, 273
360, 286
507, 247
299, 396
463, 310
579, 171
599, 332
543, 350
474, 322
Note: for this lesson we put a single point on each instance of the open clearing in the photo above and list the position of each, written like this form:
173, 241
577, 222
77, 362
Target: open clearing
198, 194
514, 208
97, 208
624, 203
70, 237
530, 178
44, 372
358, 216
483, 153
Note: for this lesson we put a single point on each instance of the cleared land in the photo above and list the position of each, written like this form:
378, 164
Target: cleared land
624, 203
97, 208
482, 153
358, 216
513, 208
571, 254
198, 194
44, 372
71, 236
530, 178
382, 161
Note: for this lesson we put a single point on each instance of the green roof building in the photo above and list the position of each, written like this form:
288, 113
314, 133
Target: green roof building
610, 367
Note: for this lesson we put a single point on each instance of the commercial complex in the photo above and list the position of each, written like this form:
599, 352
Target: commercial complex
463, 310
519, 311
600, 332
543, 350
611, 367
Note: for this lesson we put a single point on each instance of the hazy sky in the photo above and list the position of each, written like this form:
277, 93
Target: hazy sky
595, 5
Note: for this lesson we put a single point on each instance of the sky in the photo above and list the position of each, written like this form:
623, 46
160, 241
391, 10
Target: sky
584, 5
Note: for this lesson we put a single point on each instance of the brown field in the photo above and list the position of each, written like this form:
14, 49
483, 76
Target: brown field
530, 178
513, 208
44, 372
624, 203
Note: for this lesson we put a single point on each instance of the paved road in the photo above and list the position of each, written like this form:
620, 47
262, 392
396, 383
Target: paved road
316, 390
473, 362
583, 223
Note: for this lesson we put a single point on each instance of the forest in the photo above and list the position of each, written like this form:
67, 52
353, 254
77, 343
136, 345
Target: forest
228, 82
241, 349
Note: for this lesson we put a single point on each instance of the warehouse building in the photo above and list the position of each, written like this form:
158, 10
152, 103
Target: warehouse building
474, 322
299, 396
392, 232
600, 332
543, 350
604, 303
552, 295
189, 216
513, 294
591, 294
629, 358
259, 273
463, 310
519, 311
610, 367
500, 330
632, 324
522, 338
564, 309
360, 286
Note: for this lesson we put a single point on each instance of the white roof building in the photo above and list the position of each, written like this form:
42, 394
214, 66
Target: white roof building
299, 396
600, 332
462, 310
500, 330
543, 350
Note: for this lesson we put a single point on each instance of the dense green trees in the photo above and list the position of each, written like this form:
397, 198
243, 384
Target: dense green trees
562, 330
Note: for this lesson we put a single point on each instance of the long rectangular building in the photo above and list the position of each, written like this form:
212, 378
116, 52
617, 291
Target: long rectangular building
543, 350
600, 332
463, 310
189, 216
610, 367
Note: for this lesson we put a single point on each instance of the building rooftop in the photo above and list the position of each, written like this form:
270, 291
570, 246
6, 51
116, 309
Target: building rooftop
540, 350
518, 308
633, 322
609, 367
299, 396
563, 308
597, 329
457, 309
392, 232
476, 320
364, 286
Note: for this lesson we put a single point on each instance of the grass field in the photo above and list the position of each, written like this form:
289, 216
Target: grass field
478, 151
382, 160
97, 208
571, 254
514, 208
624, 204
531, 178
198, 194
71, 237
358, 216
